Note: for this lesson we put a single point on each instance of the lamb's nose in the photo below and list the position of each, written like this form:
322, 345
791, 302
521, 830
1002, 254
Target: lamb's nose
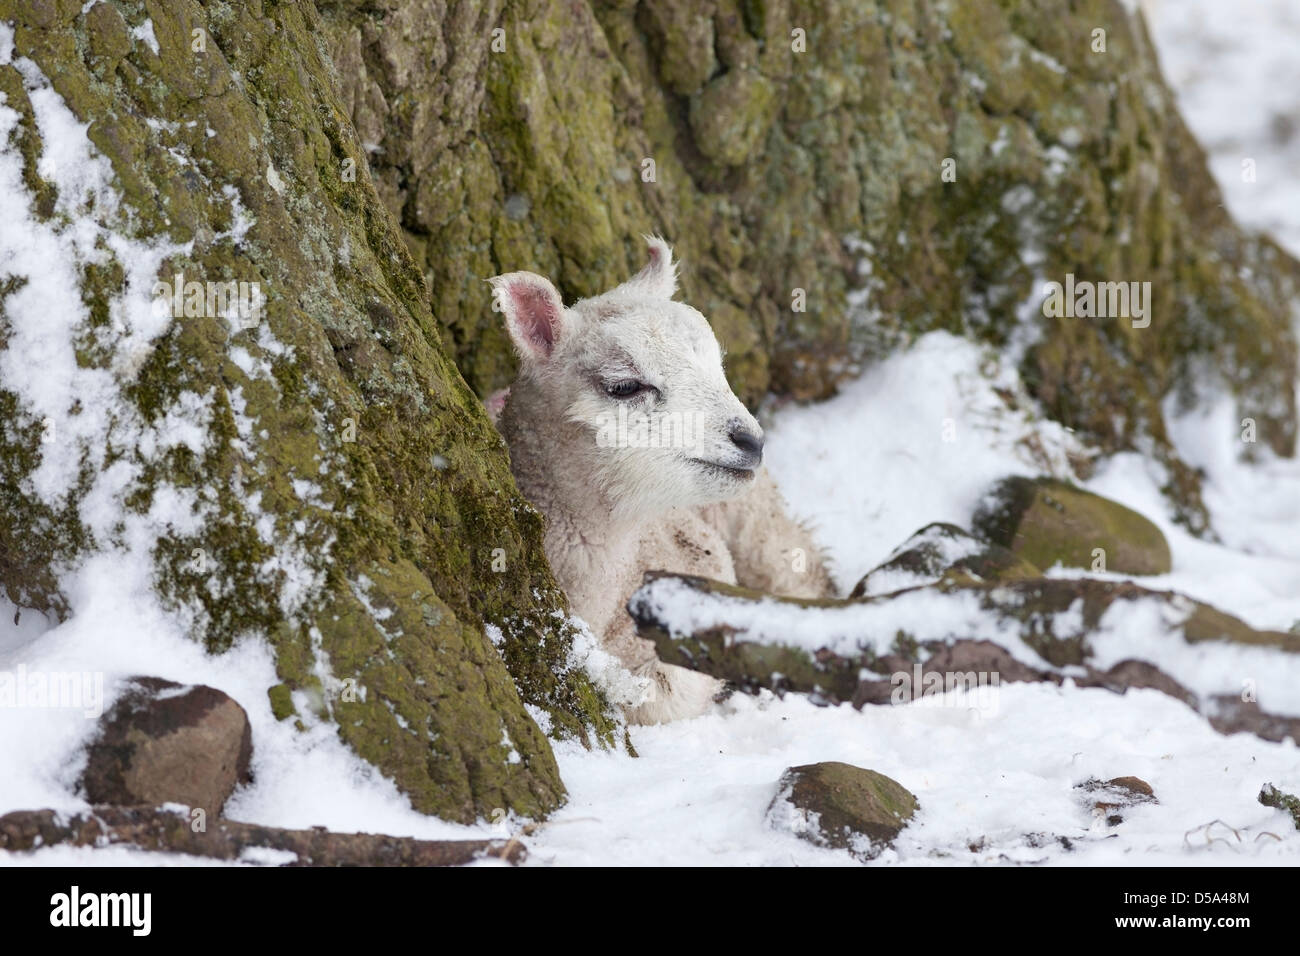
746, 441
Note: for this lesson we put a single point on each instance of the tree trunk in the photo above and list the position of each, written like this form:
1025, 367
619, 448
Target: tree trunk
311, 470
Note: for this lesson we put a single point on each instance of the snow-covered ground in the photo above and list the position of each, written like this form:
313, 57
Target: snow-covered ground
924, 435
1002, 781
916, 440
994, 772
1235, 68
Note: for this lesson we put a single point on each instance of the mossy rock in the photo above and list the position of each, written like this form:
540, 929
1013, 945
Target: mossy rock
1208, 623
843, 807
1048, 522
943, 551
1271, 796
343, 496
1111, 799
747, 665
1059, 615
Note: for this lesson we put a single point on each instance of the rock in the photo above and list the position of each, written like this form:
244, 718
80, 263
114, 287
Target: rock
1139, 789
1048, 522
164, 742
1229, 714
750, 665
843, 807
972, 666
281, 698
942, 550
1107, 799
681, 32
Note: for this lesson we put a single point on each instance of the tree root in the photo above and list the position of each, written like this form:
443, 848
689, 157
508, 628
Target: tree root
146, 828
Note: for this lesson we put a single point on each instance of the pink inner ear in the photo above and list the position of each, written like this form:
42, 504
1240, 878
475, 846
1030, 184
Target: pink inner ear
538, 317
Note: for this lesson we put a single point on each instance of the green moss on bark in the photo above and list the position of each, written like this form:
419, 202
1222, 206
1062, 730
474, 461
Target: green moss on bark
355, 502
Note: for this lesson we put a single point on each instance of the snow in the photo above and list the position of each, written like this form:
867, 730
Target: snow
700, 789
941, 550
144, 33
1233, 66
917, 439
996, 773
923, 436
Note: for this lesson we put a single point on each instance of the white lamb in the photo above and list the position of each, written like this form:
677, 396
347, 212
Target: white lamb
624, 432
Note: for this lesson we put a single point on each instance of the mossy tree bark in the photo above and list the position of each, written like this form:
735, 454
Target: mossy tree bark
348, 499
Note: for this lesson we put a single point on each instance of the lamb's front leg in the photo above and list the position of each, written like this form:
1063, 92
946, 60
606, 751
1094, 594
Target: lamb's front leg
674, 693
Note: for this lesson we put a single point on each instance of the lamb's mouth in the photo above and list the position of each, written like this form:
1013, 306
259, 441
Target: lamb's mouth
730, 471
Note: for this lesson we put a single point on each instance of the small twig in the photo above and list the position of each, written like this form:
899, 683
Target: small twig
1210, 840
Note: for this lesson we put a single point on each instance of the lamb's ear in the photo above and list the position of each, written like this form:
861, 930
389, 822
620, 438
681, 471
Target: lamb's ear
535, 315
658, 280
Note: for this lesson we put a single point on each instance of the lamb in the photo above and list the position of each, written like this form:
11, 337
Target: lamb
624, 433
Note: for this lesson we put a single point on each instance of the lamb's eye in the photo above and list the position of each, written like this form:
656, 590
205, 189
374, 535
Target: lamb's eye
625, 388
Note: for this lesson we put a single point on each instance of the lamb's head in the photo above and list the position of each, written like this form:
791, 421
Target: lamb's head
629, 389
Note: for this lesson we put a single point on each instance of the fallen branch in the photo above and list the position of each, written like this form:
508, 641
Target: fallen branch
736, 634
163, 831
